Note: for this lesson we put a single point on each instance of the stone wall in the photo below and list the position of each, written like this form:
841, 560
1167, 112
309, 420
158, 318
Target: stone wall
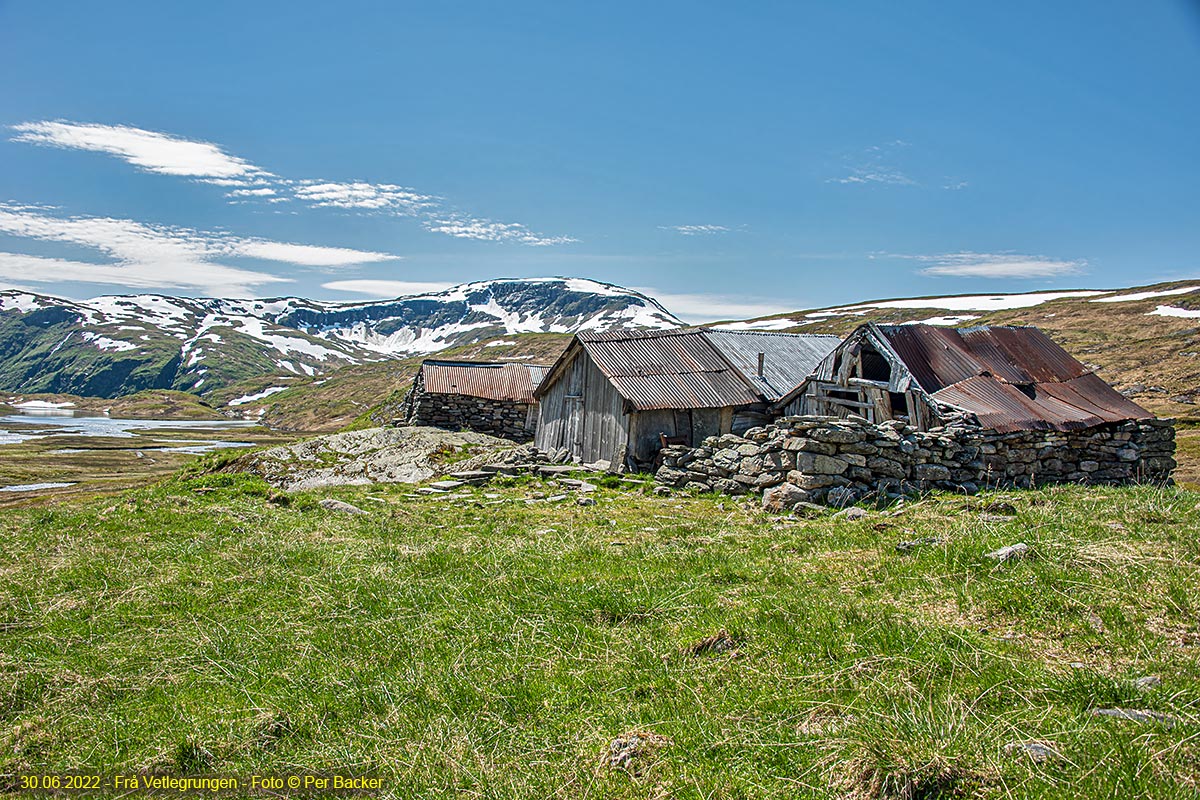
837, 461
456, 412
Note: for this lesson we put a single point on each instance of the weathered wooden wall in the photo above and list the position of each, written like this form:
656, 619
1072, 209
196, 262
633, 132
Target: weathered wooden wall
582, 412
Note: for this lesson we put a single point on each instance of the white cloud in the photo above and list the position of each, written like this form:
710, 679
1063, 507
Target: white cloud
385, 289
305, 254
701, 308
695, 230
362, 195
487, 230
157, 255
213, 278
148, 150
260, 192
208, 163
1004, 265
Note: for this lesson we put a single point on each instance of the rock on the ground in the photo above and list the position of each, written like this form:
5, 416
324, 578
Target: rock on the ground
1010, 553
633, 752
853, 513
1136, 715
784, 497
1038, 752
355, 458
333, 504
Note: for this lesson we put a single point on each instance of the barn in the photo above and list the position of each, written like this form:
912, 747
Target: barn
619, 396
487, 397
1003, 378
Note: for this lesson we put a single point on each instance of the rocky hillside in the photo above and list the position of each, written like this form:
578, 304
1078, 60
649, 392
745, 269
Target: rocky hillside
1143, 340
112, 346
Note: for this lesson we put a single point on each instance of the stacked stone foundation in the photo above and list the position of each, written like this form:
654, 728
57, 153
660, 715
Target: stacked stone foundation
834, 461
506, 419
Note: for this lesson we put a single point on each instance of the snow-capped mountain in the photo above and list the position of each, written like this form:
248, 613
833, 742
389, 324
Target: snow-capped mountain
113, 345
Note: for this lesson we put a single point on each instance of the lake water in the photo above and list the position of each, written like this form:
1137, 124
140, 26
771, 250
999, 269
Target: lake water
16, 428
49, 424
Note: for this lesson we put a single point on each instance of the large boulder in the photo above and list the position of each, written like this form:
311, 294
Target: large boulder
783, 497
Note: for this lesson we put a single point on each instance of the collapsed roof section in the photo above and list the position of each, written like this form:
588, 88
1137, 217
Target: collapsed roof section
1010, 378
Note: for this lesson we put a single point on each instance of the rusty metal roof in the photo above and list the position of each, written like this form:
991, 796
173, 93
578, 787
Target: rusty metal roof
667, 369
493, 381
1011, 378
701, 368
788, 358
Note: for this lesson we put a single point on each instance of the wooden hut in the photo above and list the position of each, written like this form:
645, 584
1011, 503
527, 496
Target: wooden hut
618, 396
1005, 378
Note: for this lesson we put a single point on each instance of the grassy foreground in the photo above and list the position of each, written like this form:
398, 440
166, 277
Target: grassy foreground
495, 648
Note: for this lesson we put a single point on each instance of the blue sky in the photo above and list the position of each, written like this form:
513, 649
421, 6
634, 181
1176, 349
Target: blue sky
737, 159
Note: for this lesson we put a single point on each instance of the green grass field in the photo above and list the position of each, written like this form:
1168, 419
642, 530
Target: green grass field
495, 648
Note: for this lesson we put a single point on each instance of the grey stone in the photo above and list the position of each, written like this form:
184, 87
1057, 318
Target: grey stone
853, 513
840, 496
909, 546
1038, 752
817, 463
1137, 715
806, 481
446, 485
332, 504
784, 497
834, 435
1010, 553
931, 472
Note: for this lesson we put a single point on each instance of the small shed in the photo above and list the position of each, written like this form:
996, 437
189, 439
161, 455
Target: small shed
617, 396
487, 397
1005, 378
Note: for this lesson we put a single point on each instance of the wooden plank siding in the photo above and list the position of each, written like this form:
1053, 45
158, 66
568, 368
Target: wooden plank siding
582, 412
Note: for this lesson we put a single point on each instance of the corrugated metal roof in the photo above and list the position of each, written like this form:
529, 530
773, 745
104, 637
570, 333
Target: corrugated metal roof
940, 357
789, 358
494, 381
667, 369
1010, 378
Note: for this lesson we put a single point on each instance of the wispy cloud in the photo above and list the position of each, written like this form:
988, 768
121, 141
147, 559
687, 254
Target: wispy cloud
491, 231
305, 255
213, 278
360, 195
695, 230
874, 165
385, 289
148, 150
702, 308
146, 255
165, 154
998, 265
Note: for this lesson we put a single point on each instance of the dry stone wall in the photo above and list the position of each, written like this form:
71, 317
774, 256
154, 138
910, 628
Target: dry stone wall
838, 462
456, 412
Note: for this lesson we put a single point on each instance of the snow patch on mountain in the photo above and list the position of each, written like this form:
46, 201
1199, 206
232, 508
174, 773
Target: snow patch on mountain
990, 302
1175, 311
1125, 298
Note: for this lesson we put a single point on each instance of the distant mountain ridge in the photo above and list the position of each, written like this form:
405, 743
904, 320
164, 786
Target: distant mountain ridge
116, 345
